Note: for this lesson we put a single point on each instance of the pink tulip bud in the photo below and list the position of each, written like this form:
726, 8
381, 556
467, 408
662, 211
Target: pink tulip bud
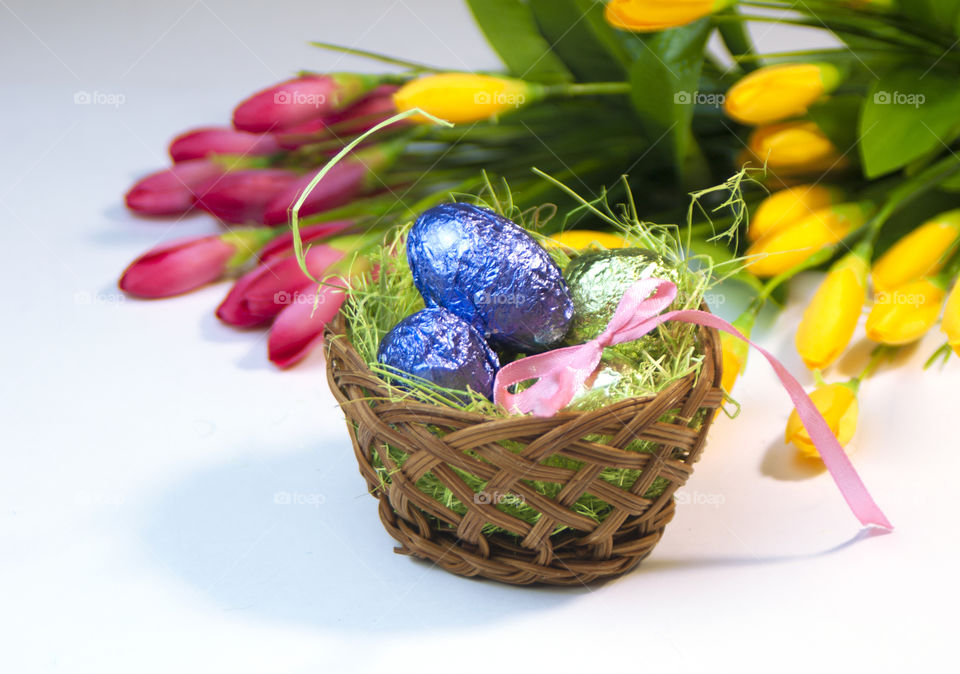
264, 292
243, 196
299, 100
183, 265
282, 246
350, 178
362, 116
173, 191
201, 143
342, 184
300, 325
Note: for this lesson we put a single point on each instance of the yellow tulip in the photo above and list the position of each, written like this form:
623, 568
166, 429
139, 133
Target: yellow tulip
732, 365
464, 97
920, 253
646, 16
778, 92
788, 206
904, 315
832, 315
581, 239
951, 318
734, 351
786, 248
838, 405
793, 146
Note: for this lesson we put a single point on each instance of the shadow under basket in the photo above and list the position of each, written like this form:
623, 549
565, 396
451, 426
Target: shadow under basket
473, 535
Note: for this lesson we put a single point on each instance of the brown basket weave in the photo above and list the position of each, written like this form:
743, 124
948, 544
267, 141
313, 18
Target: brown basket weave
439, 439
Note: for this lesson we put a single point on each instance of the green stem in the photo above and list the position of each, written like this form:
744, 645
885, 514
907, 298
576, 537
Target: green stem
738, 42
803, 53
588, 89
879, 354
850, 30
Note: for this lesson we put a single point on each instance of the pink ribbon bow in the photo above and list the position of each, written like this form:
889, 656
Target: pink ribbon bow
561, 373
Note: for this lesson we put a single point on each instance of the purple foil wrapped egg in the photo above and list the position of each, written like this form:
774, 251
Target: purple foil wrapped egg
491, 273
435, 345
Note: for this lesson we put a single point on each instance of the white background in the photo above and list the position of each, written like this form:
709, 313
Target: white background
144, 444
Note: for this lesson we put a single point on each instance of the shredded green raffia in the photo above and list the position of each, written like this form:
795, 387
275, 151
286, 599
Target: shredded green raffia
376, 303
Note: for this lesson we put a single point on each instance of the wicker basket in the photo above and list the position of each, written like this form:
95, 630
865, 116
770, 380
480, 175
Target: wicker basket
438, 439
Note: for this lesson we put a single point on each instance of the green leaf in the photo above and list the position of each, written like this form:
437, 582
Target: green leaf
582, 39
938, 14
908, 112
837, 118
665, 79
512, 31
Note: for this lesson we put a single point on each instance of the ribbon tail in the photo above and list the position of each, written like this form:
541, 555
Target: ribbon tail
841, 469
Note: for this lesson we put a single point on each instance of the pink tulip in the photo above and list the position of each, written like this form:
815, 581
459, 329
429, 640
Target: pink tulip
183, 265
299, 100
283, 244
243, 196
342, 184
173, 191
299, 327
264, 292
201, 143
359, 117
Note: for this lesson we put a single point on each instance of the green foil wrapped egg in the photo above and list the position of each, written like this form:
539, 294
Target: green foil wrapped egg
597, 281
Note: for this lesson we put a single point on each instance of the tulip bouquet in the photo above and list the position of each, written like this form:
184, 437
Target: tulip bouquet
841, 141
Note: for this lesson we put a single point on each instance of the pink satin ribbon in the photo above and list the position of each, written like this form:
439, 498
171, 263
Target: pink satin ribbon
561, 373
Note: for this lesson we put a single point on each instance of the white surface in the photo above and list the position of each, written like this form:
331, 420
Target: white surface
144, 445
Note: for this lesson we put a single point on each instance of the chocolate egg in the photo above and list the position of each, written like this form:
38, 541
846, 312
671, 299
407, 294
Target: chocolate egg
435, 345
491, 273
597, 282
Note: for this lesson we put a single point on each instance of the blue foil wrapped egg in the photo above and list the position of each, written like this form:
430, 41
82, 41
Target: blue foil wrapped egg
491, 273
436, 345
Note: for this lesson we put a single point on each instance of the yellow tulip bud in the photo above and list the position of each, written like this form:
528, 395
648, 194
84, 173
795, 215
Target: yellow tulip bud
951, 318
920, 253
788, 206
838, 405
832, 315
778, 92
793, 146
464, 97
786, 248
905, 314
732, 365
646, 16
734, 351
581, 239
